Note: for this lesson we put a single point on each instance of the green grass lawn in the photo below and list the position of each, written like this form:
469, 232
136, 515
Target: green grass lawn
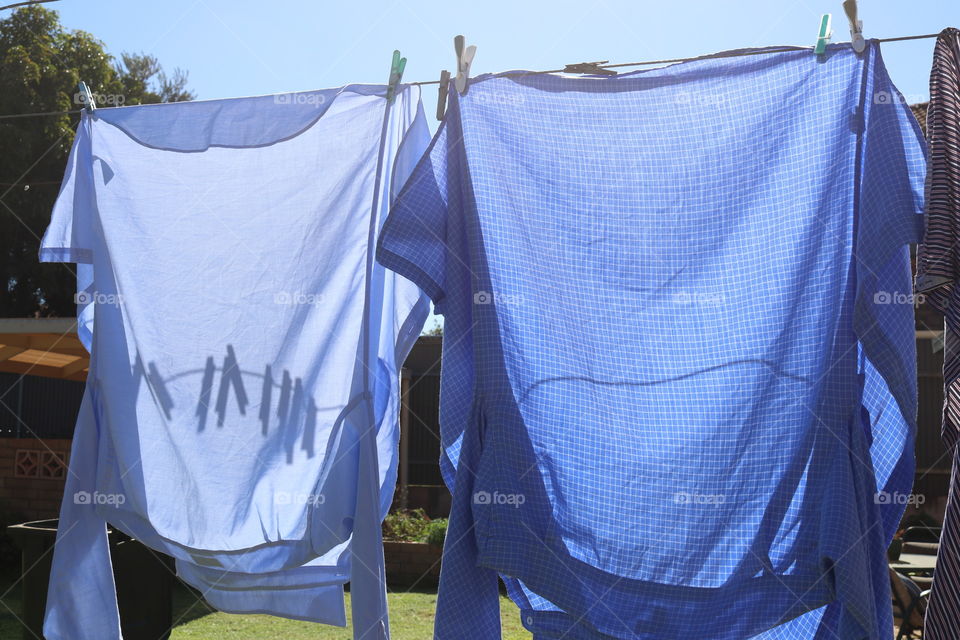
411, 618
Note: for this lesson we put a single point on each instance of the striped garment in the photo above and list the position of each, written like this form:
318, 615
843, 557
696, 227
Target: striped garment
938, 260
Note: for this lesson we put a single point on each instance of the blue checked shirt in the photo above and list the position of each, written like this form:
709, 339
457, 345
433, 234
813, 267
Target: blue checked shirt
679, 386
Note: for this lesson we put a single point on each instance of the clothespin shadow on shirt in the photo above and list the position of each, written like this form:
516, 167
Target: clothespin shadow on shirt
288, 416
155, 384
294, 414
292, 419
265, 396
230, 377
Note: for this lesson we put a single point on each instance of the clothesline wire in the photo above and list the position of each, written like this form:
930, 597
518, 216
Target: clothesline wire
25, 4
41, 113
729, 54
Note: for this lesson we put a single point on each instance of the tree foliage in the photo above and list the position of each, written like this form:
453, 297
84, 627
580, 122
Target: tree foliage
40, 66
435, 330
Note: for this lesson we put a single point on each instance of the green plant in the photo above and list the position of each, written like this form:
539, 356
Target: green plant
407, 525
436, 532
413, 525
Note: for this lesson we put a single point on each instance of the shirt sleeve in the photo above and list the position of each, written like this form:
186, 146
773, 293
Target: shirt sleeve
82, 595
69, 236
936, 268
889, 217
414, 240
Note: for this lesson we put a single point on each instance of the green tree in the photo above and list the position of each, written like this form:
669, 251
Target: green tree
40, 66
137, 73
435, 330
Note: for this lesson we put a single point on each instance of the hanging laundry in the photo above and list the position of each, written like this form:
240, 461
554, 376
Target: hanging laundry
241, 409
679, 383
937, 262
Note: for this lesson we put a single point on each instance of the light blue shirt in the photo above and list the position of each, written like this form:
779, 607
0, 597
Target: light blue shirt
679, 385
241, 408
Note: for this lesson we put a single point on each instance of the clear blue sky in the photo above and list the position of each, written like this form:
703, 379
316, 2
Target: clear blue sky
237, 48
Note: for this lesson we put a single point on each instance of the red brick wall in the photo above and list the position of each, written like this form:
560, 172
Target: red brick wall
32, 475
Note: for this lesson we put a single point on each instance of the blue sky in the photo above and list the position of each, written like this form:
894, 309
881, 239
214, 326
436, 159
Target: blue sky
237, 48
234, 48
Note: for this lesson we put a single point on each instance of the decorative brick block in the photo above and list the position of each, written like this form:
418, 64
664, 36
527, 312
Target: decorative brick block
26, 464
39, 463
53, 464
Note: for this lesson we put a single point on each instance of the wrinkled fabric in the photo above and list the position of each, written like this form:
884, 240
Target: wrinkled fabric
679, 381
936, 274
241, 412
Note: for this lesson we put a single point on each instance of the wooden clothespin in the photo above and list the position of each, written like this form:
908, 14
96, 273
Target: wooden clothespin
397, 65
442, 99
826, 32
592, 68
86, 96
464, 60
856, 26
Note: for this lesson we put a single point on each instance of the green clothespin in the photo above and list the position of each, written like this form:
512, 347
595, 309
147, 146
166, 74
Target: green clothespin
396, 73
825, 32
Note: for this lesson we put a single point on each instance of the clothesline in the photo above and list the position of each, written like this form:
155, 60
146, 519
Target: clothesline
729, 54
546, 431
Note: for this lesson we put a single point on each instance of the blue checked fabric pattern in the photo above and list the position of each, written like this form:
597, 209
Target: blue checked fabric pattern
679, 382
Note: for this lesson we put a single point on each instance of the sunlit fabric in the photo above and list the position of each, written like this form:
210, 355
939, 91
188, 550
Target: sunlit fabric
241, 409
679, 382
936, 274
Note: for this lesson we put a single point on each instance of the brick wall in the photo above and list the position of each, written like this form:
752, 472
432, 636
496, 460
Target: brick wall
32, 475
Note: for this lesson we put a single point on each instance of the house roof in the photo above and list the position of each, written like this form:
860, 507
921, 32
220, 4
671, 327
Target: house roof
46, 347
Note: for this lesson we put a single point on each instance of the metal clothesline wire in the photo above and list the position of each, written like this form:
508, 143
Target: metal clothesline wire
730, 54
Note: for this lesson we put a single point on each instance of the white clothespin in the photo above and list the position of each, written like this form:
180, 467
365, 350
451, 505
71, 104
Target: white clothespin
86, 96
856, 26
464, 60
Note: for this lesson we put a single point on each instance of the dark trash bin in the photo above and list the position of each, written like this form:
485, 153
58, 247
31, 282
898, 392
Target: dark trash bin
144, 580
